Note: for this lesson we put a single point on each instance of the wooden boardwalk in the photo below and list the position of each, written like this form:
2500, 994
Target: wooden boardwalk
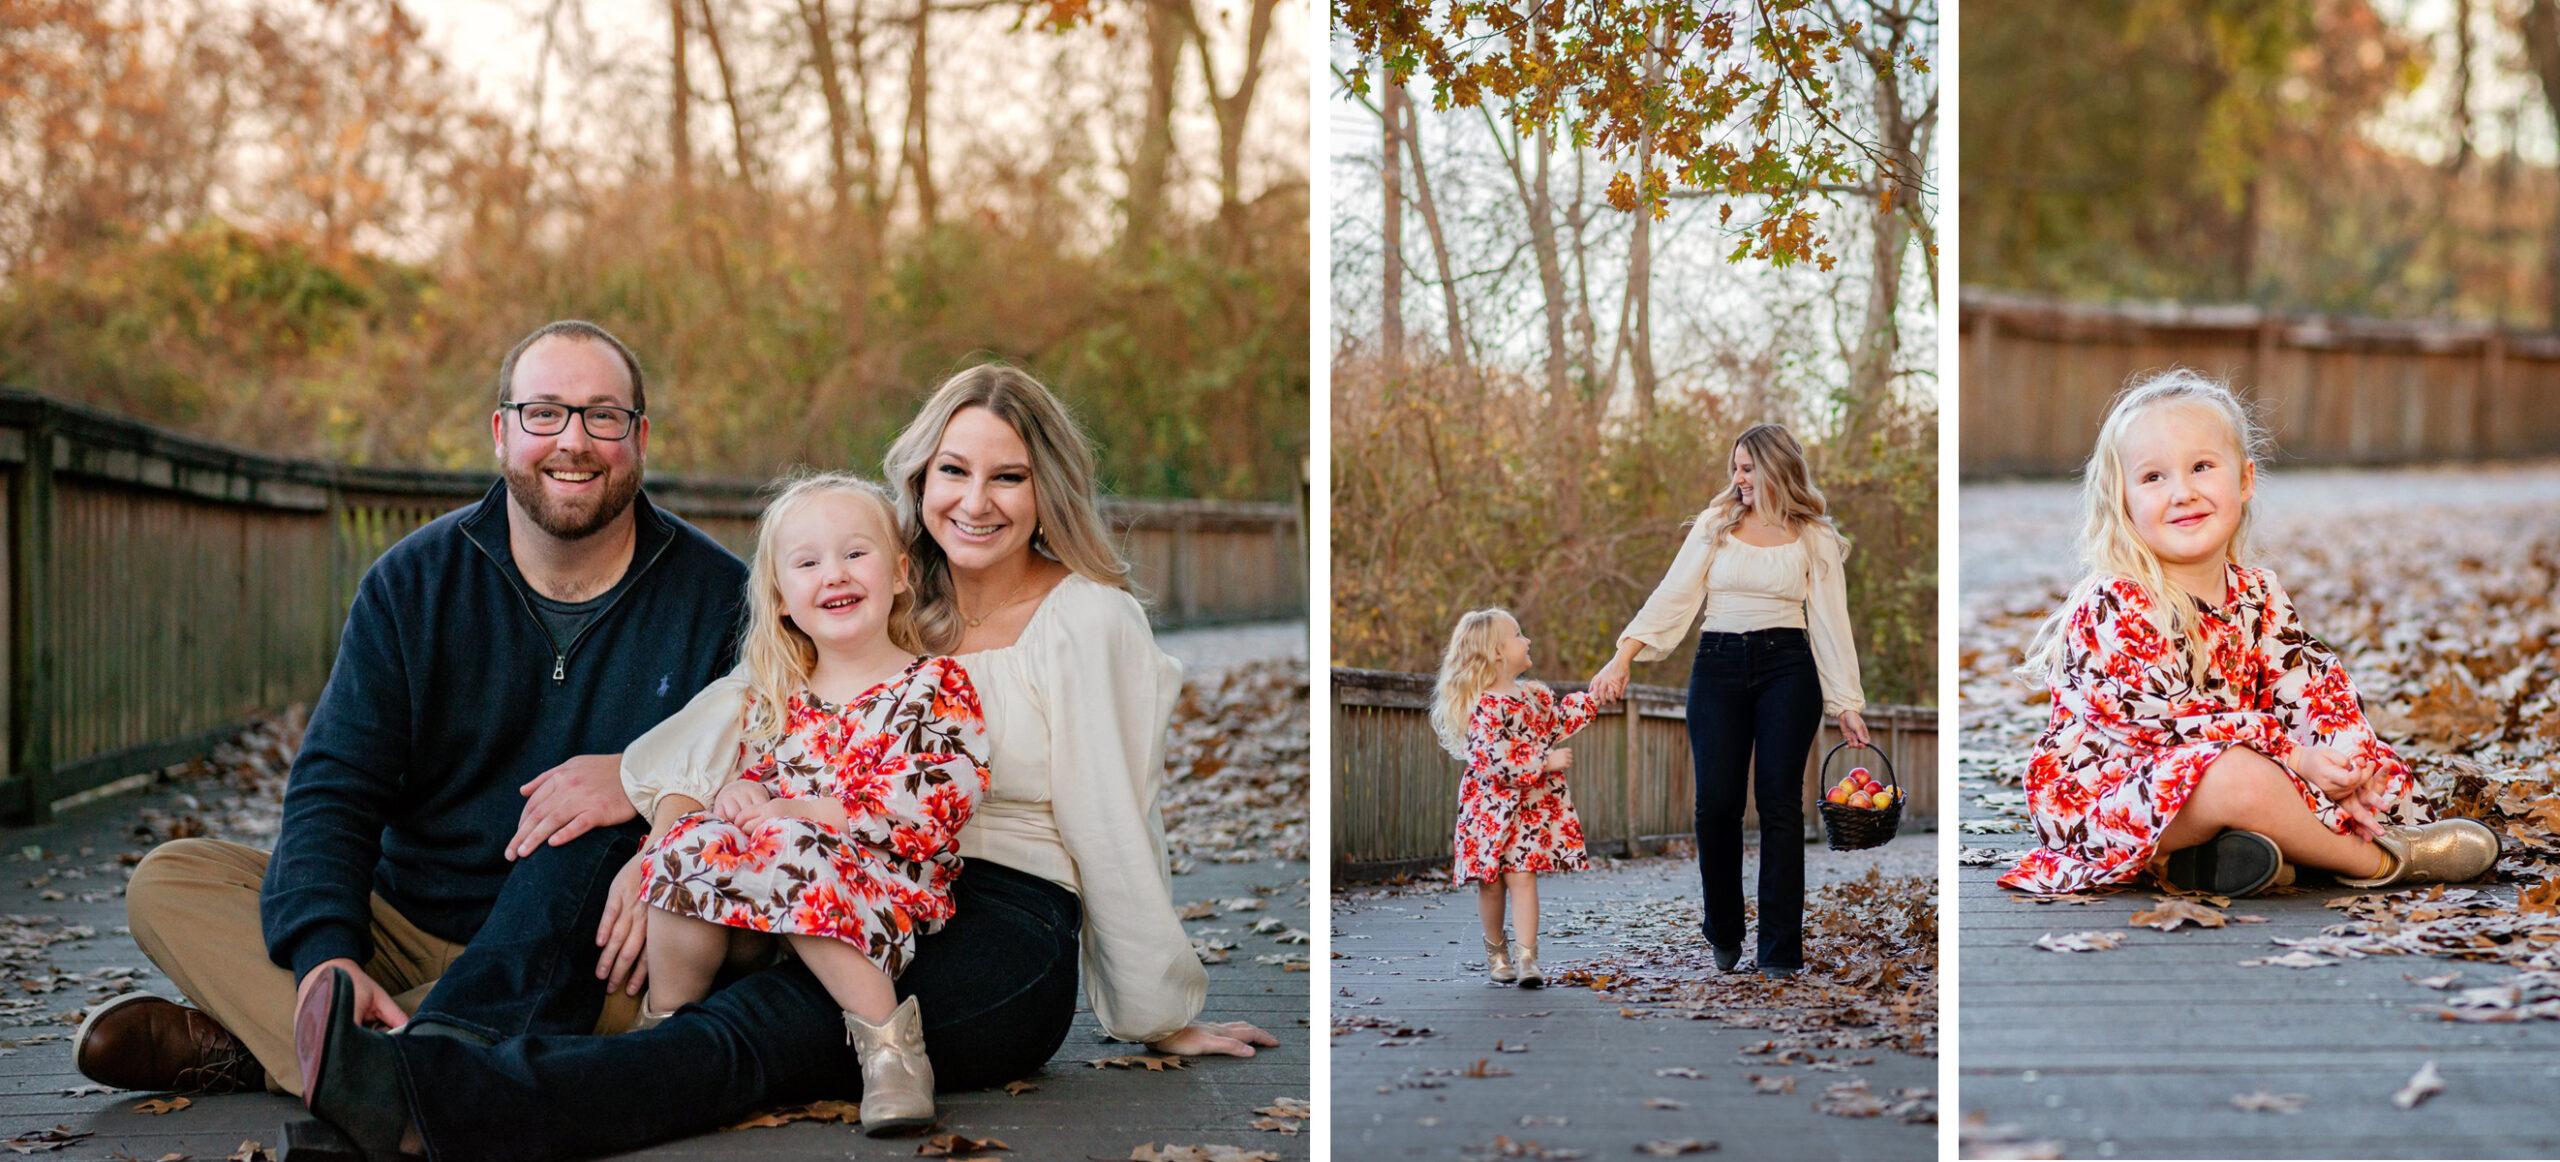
1590, 1079
50, 971
2138, 1052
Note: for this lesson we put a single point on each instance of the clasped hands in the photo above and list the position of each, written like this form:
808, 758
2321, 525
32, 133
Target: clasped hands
2351, 781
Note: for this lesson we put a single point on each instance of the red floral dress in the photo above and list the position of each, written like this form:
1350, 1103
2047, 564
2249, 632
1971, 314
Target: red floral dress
2132, 732
1513, 815
907, 760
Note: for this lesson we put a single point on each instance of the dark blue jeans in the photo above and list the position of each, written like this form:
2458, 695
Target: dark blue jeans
996, 988
532, 966
1755, 703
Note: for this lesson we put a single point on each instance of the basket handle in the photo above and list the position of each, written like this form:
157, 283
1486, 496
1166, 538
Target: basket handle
1845, 744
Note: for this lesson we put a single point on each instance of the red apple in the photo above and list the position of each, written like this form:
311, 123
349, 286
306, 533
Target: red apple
1861, 800
1838, 795
1858, 773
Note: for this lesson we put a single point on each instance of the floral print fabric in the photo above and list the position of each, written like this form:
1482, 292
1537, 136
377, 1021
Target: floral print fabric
907, 760
2133, 732
1512, 814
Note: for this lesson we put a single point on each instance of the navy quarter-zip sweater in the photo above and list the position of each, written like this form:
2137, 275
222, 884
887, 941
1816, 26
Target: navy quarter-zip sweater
448, 694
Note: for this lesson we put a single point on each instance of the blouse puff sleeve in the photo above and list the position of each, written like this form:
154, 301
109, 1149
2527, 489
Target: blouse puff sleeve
1108, 695
1668, 615
693, 753
2123, 679
1835, 650
1513, 754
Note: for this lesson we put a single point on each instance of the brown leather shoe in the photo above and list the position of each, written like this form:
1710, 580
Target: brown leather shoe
140, 1041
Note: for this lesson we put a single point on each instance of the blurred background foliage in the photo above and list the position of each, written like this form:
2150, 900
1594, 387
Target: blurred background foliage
303, 227
2391, 158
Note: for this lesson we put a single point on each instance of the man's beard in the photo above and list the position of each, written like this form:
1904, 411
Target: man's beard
563, 520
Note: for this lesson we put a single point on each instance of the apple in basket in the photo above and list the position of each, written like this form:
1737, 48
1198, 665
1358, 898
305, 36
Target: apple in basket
1839, 794
1861, 799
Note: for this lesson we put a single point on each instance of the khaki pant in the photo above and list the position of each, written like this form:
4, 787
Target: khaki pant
193, 905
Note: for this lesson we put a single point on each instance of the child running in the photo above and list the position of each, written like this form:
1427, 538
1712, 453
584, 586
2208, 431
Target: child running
2199, 731
1515, 817
839, 828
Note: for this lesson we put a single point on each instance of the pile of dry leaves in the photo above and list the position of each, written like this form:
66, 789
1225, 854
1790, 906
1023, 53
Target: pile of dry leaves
1871, 951
1236, 784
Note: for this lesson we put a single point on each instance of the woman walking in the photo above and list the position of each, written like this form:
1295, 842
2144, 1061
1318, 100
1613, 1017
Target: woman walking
1761, 572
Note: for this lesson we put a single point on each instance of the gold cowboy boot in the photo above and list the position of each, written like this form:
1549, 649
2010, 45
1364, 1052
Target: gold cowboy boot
1526, 952
897, 1080
2447, 851
1497, 962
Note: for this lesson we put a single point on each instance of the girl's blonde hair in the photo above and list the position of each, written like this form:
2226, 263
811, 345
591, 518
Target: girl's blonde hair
778, 656
1785, 491
1470, 666
1070, 527
2109, 545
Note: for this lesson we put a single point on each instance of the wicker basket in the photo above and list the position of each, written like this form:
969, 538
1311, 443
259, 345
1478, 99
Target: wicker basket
1848, 828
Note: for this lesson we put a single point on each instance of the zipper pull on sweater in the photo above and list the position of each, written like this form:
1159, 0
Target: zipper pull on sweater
559, 667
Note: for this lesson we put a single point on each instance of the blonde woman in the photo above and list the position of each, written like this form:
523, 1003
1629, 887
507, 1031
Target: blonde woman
1064, 861
1761, 576
1515, 815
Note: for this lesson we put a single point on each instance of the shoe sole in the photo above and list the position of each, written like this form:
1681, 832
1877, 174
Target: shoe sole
1533, 982
882, 1129
2223, 865
311, 1035
80, 1038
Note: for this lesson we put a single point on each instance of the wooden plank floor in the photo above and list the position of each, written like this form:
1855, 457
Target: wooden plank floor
1416, 958
1077, 1111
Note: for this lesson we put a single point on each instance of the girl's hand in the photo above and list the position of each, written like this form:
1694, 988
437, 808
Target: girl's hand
2331, 770
739, 797
1610, 684
1559, 759
1207, 1038
1853, 728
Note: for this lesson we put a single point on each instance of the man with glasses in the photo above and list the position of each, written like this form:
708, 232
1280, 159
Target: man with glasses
510, 648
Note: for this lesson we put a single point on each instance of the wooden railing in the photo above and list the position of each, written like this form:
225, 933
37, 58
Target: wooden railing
1395, 792
2036, 376
162, 589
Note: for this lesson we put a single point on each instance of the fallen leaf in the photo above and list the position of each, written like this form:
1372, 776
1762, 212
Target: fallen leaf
1287, 1107
251, 1151
816, 1111
1664, 1103
1276, 1125
2294, 959
949, 1145
2171, 911
1484, 1068
2423, 1084
2264, 1102
1499, 1047
2080, 941
1151, 1064
46, 1141
1849, 1099
1782, 1083
2440, 981
86, 1090
158, 1106
1672, 1147
1018, 1088
1150, 1153
1681, 1071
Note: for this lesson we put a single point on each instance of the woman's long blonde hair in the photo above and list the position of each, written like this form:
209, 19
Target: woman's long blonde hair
1470, 666
2110, 547
1785, 490
778, 656
1070, 527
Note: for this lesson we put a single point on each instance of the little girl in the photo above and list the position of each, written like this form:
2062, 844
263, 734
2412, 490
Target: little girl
2198, 730
839, 829
1515, 817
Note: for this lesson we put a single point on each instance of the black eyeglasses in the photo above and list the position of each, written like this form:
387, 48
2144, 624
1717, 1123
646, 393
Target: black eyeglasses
602, 421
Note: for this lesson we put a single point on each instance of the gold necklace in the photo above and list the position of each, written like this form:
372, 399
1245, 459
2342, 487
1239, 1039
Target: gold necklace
1010, 602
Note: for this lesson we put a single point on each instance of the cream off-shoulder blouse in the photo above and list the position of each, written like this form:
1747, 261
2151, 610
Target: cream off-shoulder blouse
1744, 587
1076, 710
